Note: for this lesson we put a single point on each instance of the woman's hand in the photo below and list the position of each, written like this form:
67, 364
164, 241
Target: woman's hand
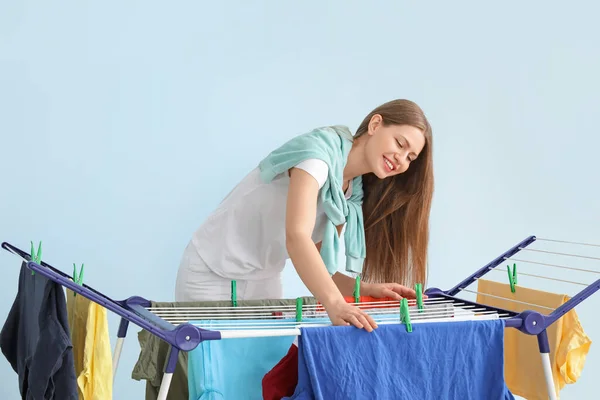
342, 313
391, 290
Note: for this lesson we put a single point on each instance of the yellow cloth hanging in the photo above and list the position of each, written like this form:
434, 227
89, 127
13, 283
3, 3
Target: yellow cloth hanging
569, 345
91, 347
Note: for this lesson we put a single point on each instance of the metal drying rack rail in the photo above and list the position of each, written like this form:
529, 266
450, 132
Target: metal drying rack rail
185, 336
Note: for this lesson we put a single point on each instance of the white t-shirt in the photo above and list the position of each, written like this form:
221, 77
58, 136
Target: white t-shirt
244, 238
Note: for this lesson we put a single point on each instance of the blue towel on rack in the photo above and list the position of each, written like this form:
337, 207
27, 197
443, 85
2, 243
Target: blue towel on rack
438, 360
233, 368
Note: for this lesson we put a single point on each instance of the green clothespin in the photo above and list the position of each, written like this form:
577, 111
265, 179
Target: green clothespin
512, 277
515, 273
36, 257
77, 278
405, 314
419, 291
233, 293
357, 289
299, 309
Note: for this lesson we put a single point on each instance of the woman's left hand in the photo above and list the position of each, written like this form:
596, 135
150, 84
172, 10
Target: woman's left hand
391, 290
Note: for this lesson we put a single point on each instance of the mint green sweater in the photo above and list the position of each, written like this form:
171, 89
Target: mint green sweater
332, 145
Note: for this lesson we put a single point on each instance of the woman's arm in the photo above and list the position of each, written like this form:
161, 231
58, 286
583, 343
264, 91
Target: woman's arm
300, 220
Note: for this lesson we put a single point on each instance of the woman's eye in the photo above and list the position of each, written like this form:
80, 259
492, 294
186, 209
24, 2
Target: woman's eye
399, 144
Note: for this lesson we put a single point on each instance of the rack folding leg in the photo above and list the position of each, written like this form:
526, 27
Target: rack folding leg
169, 369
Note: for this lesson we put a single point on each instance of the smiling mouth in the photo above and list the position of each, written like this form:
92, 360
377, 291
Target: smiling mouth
388, 164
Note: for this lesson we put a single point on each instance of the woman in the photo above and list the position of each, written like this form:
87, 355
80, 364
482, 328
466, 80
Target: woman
374, 188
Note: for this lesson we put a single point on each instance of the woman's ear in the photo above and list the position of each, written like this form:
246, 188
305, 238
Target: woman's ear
374, 123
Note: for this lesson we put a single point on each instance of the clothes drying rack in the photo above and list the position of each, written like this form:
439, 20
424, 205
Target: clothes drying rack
181, 335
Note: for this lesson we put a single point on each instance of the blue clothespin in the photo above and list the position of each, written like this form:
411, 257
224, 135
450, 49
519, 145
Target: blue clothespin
512, 277
36, 257
77, 278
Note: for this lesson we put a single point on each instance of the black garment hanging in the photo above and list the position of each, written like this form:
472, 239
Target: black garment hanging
36, 340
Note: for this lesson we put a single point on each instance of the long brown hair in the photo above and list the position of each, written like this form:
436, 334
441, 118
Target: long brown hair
396, 209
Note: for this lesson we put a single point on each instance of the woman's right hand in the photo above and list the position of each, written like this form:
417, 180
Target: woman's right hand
342, 313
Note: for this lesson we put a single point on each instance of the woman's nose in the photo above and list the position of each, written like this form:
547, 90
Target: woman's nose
400, 157
400, 161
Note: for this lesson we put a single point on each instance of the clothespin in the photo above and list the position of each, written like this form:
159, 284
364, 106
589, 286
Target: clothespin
357, 289
233, 293
77, 278
299, 309
512, 277
405, 315
419, 291
36, 257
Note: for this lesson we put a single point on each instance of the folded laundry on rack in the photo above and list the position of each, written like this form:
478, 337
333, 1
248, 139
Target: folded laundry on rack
438, 360
35, 339
154, 352
91, 347
569, 344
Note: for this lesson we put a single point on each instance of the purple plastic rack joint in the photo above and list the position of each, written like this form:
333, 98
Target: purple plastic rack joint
185, 336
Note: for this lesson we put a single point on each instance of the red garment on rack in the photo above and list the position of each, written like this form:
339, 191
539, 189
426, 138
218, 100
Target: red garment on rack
281, 381
388, 302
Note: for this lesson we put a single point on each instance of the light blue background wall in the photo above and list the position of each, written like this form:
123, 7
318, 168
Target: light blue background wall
124, 123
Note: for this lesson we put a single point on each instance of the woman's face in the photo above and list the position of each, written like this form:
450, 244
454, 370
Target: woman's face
390, 149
